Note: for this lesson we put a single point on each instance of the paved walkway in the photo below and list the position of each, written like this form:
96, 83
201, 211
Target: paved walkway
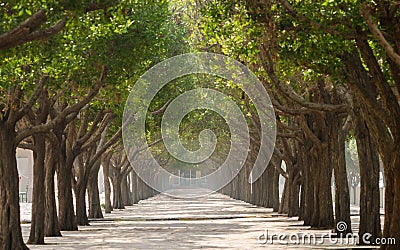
163, 222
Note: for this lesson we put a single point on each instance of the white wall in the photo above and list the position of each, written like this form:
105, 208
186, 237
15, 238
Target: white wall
25, 171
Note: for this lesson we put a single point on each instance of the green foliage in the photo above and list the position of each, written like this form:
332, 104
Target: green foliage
311, 44
128, 37
228, 25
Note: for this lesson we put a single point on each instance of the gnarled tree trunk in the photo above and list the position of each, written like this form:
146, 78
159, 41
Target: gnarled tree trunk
80, 203
322, 216
52, 228
369, 180
126, 191
392, 200
93, 193
66, 213
107, 187
134, 184
275, 189
338, 160
10, 228
38, 197
307, 187
117, 195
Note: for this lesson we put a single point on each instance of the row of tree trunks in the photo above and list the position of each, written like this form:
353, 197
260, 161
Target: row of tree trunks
127, 188
359, 82
373, 72
391, 104
14, 133
266, 189
89, 145
307, 192
371, 69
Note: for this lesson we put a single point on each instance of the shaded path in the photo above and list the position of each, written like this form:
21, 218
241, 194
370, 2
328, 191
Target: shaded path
164, 222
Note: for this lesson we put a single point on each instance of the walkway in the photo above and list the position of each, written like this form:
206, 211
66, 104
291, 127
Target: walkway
164, 222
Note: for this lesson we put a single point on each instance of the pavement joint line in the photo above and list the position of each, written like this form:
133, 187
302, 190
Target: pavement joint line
177, 219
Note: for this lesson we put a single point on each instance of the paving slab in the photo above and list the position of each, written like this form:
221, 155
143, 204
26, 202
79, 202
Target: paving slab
215, 221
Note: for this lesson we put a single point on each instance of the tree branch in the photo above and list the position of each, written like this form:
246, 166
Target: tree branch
67, 111
361, 85
27, 31
104, 148
288, 92
159, 111
42, 34
22, 111
373, 27
308, 131
97, 133
22, 30
25, 145
331, 29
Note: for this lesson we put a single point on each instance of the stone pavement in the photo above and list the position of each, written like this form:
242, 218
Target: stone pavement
212, 222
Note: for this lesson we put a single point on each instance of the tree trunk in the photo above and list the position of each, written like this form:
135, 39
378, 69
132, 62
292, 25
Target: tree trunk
66, 213
93, 193
395, 227
364, 89
117, 197
321, 166
284, 206
308, 185
38, 197
107, 192
10, 228
126, 191
80, 202
134, 184
322, 216
52, 228
268, 186
392, 200
369, 180
293, 199
338, 160
67, 219
258, 192
275, 191
107, 187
